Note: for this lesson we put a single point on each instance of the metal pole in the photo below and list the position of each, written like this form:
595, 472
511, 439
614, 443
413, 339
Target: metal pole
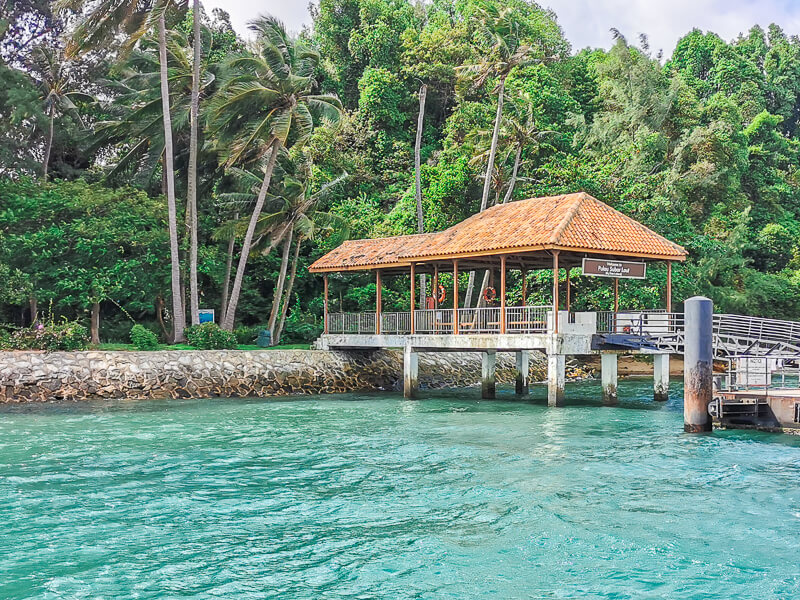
325, 303
413, 275
698, 357
502, 294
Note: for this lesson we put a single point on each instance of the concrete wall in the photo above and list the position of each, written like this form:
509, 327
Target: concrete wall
36, 376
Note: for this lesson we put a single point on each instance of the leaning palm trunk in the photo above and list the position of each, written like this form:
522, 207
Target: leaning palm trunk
487, 182
514, 171
230, 312
288, 296
49, 147
278, 295
423, 92
178, 319
226, 288
191, 188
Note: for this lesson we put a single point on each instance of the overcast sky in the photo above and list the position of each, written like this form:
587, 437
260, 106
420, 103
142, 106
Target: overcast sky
587, 22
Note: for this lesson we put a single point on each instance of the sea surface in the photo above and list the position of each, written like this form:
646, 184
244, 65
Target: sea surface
373, 496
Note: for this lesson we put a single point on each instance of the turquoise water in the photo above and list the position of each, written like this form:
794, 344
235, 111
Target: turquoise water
371, 496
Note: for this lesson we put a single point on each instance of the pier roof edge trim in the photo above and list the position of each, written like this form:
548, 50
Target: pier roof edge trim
577, 223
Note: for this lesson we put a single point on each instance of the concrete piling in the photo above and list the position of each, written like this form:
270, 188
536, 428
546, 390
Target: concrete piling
556, 378
410, 372
488, 361
523, 366
608, 376
661, 377
698, 357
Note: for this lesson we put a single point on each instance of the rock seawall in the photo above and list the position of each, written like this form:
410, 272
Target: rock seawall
37, 376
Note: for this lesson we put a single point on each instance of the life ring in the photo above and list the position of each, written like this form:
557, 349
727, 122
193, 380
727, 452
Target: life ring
442, 294
489, 294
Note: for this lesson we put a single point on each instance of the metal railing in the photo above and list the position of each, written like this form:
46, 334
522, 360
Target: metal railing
395, 322
527, 319
438, 321
642, 322
351, 322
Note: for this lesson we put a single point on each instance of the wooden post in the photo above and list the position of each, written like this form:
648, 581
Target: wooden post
455, 297
569, 290
669, 286
325, 303
435, 287
616, 294
378, 301
503, 294
413, 275
555, 291
524, 287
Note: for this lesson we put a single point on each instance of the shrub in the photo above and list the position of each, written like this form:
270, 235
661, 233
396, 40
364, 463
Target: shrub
209, 336
52, 336
247, 335
143, 339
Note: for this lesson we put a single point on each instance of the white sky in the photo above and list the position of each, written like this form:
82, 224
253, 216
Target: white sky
587, 22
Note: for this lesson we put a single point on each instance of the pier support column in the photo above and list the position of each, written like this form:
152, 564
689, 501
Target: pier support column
556, 379
698, 364
661, 377
488, 360
410, 372
523, 369
608, 377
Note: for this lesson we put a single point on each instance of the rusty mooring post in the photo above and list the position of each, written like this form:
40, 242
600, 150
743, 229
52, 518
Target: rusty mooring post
698, 364
488, 360
608, 377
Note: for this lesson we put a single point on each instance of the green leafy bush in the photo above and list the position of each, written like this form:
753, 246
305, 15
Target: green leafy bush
247, 335
52, 336
210, 336
143, 339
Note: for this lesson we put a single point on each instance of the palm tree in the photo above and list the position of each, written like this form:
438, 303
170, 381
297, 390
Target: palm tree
49, 67
499, 33
103, 22
264, 107
191, 189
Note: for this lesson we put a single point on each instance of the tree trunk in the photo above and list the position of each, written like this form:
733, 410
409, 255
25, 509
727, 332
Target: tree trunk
226, 288
513, 181
288, 296
95, 323
487, 183
34, 309
230, 313
178, 319
160, 316
191, 188
49, 147
278, 295
423, 92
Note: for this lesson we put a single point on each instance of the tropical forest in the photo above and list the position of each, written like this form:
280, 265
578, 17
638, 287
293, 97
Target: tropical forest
154, 163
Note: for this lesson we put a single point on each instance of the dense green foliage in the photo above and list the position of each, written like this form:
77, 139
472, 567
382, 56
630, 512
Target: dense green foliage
143, 339
209, 336
702, 147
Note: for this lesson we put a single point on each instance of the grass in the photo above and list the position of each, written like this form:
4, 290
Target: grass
130, 347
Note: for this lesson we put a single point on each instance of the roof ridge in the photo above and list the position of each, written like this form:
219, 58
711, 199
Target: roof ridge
570, 214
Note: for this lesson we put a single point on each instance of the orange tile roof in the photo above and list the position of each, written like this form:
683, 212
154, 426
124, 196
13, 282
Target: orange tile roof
577, 222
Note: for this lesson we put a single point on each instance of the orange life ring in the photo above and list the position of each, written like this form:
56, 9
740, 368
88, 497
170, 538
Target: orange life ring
442, 294
489, 294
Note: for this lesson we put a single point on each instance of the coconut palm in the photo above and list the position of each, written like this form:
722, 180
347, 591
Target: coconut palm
191, 188
264, 107
49, 67
103, 22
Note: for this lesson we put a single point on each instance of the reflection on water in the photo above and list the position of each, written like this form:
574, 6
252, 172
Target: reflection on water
372, 496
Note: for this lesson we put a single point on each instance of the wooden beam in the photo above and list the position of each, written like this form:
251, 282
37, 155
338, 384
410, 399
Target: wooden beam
413, 276
325, 303
616, 294
669, 287
436, 287
503, 293
455, 297
569, 290
378, 301
555, 291
524, 286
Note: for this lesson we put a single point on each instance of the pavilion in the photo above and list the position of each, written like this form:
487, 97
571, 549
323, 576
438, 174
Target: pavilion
554, 232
